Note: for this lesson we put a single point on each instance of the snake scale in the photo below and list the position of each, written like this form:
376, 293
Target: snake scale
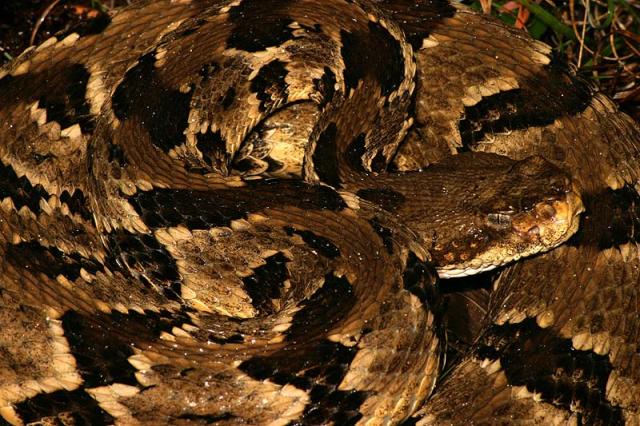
236, 212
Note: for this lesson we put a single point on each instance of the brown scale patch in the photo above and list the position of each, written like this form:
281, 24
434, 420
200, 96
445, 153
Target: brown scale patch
118, 289
482, 389
276, 148
387, 198
527, 106
390, 346
384, 327
42, 362
185, 395
64, 101
44, 153
450, 60
54, 227
241, 272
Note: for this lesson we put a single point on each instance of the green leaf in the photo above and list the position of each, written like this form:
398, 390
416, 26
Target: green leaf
537, 27
548, 19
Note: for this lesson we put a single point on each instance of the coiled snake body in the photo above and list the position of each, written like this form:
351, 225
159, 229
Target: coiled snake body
234, 211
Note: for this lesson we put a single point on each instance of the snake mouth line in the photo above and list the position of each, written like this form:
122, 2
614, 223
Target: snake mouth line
545, 227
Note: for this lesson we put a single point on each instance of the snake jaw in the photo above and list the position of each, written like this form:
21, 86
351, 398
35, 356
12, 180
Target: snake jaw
544, 227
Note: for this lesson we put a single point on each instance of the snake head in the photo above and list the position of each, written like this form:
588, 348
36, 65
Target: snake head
524, 208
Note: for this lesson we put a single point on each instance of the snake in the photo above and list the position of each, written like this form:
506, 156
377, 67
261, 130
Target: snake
246, 212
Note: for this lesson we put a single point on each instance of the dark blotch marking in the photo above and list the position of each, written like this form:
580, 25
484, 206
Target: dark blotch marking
326, 85
546, 363
325, 308
376, 54
318, 368
379, 162
208, 209
20, 190
465, 303
269, 85
266, 283
100, 356
259, 24
76, 405
50, 261
384, 233
244, 166
162, 208
228, 98
316, 365
207, 70
101, 344
464, 320
611, 219
322, 245
355, 151
59, 89
539, 102
116, 154
162, 111
235, 338
213, 148
188, 28
89, 26
386, 198
325, 156
39, 158
411, 421
273, 165
417, 18
142, 252
77, 203
69, 106
417, 278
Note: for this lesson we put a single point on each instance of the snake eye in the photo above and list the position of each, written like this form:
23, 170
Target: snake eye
499, 220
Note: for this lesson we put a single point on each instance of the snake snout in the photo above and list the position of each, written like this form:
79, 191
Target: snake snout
552, 222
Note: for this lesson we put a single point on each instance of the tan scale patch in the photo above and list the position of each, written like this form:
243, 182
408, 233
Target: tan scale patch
402, 340
41, 363
478, 391
107, 398
213, 263
207, 392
